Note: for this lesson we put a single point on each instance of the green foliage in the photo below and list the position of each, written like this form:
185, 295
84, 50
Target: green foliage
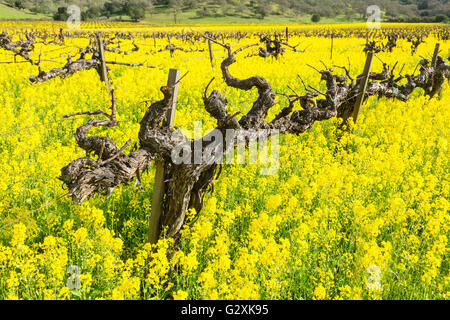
61, 14
113, 7
135, 9
90, 13
10, 13
315, 18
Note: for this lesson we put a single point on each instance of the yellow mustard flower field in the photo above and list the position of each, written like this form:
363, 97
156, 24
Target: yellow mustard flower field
360, 212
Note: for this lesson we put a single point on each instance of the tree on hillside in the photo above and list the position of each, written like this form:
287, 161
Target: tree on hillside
136, 9
315, 18
92, 12
261, 9
61, 14
175, 6
113, 7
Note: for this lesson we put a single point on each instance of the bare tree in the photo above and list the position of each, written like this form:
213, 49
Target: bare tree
175, 6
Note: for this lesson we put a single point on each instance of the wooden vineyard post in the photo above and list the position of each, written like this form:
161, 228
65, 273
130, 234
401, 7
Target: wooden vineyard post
435, 55
332, 45
211, 55
287, 34
363, 87
101, 51
170, 46
159, 186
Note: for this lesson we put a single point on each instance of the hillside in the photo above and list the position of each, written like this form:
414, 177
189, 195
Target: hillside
9, 13
231, 11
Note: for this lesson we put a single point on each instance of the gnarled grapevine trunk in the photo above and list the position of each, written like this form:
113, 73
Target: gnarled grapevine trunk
188, 181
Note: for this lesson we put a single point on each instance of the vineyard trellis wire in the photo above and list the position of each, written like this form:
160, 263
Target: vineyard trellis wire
48, 204
68, 119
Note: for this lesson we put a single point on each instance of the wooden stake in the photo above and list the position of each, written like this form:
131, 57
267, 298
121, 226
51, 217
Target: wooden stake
211, 55
104, 74
435, 55
287, 35
332, 44
170, 45
159, 186
363, 87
